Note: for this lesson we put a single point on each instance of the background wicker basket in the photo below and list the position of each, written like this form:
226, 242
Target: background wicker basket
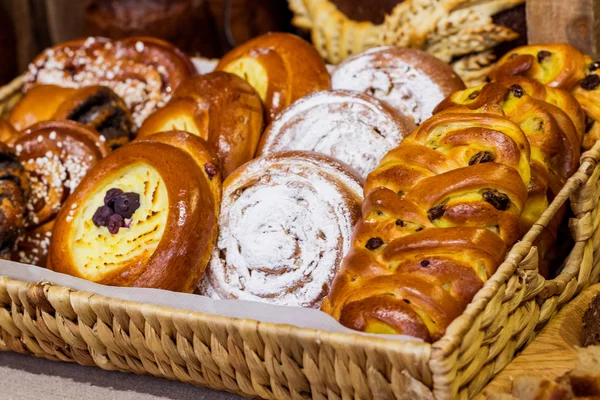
265, 360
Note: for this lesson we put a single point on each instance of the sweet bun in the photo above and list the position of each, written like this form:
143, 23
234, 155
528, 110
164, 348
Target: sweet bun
56, 155
286, 221
412, 81
39, 104
143, 71
221, 108
280, 66
14, 191
350, 126
137, 220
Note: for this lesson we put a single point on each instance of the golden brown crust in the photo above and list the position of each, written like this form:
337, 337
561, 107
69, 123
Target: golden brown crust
439, 214
101, 109
38, 104
221, 108
185, 203
8, 134
56, 155
280, 66
143, 71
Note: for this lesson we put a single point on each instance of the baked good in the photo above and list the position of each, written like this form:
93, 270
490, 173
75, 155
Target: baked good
96, 106
462, 32
143, 71
221, 108
559, 66
411, 81
136, 220
530, 388
438, 216
350, 126
14, 191
8, 133
585, 377
32, 245
280, 66
285, 223
56, 156
591, 324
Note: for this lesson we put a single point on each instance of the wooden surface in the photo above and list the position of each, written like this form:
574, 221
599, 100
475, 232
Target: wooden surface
573, 21
552, 353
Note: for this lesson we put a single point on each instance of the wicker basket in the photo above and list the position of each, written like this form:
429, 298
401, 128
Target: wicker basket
265, 360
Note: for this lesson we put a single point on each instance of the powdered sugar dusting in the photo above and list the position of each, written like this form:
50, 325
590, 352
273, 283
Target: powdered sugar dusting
349, 126
285, 223
387, 77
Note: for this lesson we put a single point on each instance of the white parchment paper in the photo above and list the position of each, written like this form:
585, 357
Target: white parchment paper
297, 316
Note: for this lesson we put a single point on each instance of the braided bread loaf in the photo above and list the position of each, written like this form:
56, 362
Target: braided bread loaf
554, 139
559, 66
439, 214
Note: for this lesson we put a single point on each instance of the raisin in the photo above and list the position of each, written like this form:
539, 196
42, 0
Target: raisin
425, 263
542, 55
210, 169
102, 215
115, 222
590, 82
401, 193
517, 91
500, 201
594, 66
374, 243
474, 95
481, 157
513, 56
111, 195
400, 223
126, 204
436, 212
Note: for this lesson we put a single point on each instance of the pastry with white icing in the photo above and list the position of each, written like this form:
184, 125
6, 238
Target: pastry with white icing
286, 222
352, 127
411, 81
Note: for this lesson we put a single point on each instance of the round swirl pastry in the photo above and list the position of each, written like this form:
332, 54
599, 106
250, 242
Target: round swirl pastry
8, 134
143, 71
14, 191
219, 107
95, 106
439, 214
136, 220
350, 126
285, 223
280, 66
56, 155
411, 81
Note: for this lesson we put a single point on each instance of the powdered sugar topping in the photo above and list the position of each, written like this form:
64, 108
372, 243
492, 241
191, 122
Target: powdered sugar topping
349, 126
386, 76
285, 224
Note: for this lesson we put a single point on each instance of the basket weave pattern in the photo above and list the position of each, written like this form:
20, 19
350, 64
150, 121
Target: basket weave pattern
271, 361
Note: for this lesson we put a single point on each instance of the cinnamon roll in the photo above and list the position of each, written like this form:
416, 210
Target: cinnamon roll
143, 71
411, 81
350, 126
219, 107
280, 66
14, 191
56, 155
137, 220
286, 221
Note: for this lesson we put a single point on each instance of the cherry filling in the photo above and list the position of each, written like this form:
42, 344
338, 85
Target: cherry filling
118, 206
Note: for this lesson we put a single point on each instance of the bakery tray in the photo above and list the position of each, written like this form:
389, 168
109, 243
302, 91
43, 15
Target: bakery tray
274, 361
